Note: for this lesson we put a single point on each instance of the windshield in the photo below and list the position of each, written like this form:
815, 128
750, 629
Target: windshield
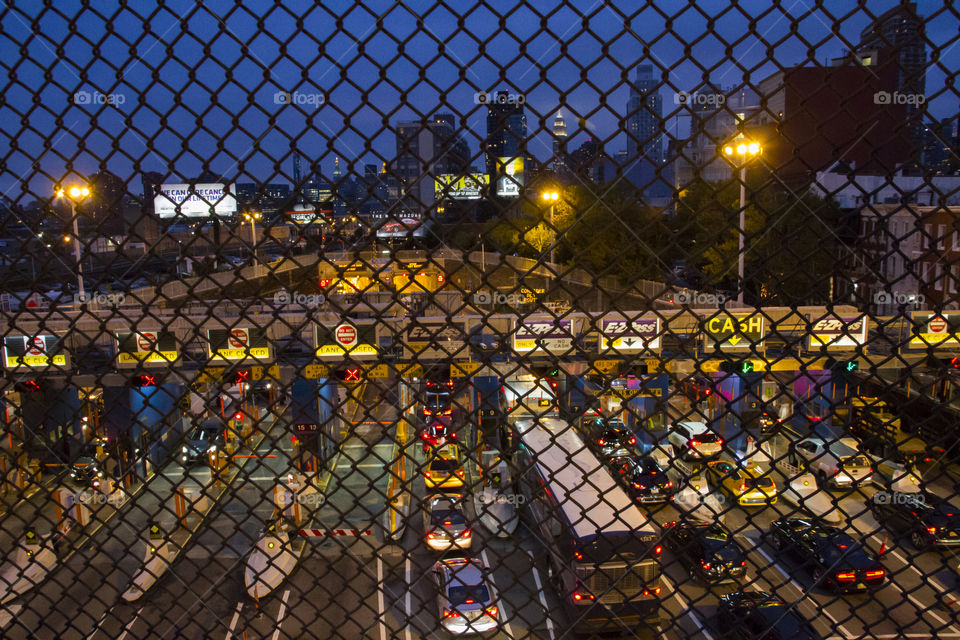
707, 437
441, 464
436, 401
204, 433
857, 461
645, 465
469, 594
446, 518
759, 482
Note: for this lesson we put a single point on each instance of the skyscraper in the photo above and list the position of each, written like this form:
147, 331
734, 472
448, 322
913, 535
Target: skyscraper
425, 149
559, 144
506, 133
645, 117
900, 31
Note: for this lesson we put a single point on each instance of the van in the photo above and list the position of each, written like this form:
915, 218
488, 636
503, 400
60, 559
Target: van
834, 463
694, 440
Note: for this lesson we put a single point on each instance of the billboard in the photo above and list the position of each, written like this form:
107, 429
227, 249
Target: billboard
195, 201
403, 228
468, 187
36, 351
306, 214
239, 343
509, 176
147, 346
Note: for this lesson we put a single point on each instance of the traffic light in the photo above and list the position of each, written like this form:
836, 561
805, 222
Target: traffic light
145, 380
347, 374
842, 366
739, 367
949, 364
545, 370
241, 376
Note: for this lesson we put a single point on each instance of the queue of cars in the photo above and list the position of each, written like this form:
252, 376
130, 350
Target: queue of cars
466, 600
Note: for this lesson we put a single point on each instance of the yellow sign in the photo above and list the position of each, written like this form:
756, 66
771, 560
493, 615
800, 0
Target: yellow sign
37, 361
31, 537
378, 371
211, 374
464, 369
411, 370
740, 331
314, 371
335, 350
155, 532
138, 357
257, 373
607, 367
239, 354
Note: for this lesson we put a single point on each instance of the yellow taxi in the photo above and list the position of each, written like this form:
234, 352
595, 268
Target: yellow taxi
747, 486
445, 469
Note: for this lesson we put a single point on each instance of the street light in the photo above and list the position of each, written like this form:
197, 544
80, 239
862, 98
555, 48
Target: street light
75, 194
739, 152
252, 217
551, 197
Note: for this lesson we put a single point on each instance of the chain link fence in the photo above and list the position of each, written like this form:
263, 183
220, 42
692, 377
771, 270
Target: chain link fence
384, 320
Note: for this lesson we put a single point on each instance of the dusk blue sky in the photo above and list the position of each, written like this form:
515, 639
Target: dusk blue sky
198, 83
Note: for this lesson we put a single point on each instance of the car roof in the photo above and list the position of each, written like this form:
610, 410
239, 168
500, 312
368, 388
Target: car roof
694, 427
464, 571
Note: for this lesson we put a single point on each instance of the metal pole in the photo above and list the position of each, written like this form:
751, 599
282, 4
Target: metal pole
743, 232
76, 251
253, 248
553, 239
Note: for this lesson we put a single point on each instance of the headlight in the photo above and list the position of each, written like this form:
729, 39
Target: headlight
184, 449
212, 449
100, 473
184, 458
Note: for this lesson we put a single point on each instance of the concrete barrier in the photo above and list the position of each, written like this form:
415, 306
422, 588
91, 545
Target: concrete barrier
35, 557
158, 553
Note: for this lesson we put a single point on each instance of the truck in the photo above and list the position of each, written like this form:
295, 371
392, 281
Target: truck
880, 431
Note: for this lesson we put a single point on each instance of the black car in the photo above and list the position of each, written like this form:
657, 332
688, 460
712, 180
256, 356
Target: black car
837, 561
615, 440
707, 550
643, 477
929, 520
757, 615
437, 399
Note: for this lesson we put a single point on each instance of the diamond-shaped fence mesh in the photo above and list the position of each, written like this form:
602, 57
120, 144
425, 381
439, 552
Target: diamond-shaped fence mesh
368, 320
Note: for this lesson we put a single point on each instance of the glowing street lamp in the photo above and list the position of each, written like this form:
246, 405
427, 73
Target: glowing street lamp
75, 194
739, 152
551, 197
252, 217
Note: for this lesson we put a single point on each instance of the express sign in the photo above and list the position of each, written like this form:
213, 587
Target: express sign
734, 331
626, 335
548, 335
837, 332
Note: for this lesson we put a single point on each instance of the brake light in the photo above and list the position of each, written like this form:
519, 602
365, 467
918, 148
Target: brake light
578, 555
637, 485
491, 611
743, 563
426, 412
693, 443
743, 486
720, 442
847, 577
931, 530
670, 524
657, 550
447, 523
669, 484
876, 573
450, 614
633, 440
466, 534
448, 412
460, 472
580, 596
705, 565
449, 383
468, 601
601, 442
430, 536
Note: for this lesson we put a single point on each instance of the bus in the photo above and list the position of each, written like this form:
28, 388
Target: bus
603, 555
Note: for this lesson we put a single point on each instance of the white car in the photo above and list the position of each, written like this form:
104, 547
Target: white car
694, 440
834, 462
465, 597
445, 524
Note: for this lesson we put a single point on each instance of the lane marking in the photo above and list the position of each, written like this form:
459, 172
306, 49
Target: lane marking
233, 622
96, 627
498, 600
408, 565
817, 606
922, 610
380, 601
281, 613
126, 630
686, 606
543, 596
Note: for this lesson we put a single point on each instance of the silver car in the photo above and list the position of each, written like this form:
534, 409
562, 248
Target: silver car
444, 524
465, 597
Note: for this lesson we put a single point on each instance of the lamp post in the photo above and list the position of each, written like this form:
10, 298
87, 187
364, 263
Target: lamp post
75, 194
739, 152
252, 217
551, 197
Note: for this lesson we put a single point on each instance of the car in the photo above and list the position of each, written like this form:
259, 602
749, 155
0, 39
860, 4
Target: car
85, 470
929, 520
444, 470
836, 560
695, 440
770, 422
644, 478
444, 524
438, 431
203, 440
745, 485
615, 440
465, 598
834, 462
758, 615
437, 398
707, 550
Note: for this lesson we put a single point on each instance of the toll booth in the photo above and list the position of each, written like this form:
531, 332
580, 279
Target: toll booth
740, 403
51, 419
144, 425
311, 412
490, 424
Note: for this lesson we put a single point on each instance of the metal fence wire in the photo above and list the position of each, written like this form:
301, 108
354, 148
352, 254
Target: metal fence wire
410, 320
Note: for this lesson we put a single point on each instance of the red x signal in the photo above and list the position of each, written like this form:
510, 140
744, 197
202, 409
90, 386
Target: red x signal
351, 375
241, 376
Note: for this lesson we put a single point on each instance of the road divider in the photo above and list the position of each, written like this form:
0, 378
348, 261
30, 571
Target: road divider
36, 556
